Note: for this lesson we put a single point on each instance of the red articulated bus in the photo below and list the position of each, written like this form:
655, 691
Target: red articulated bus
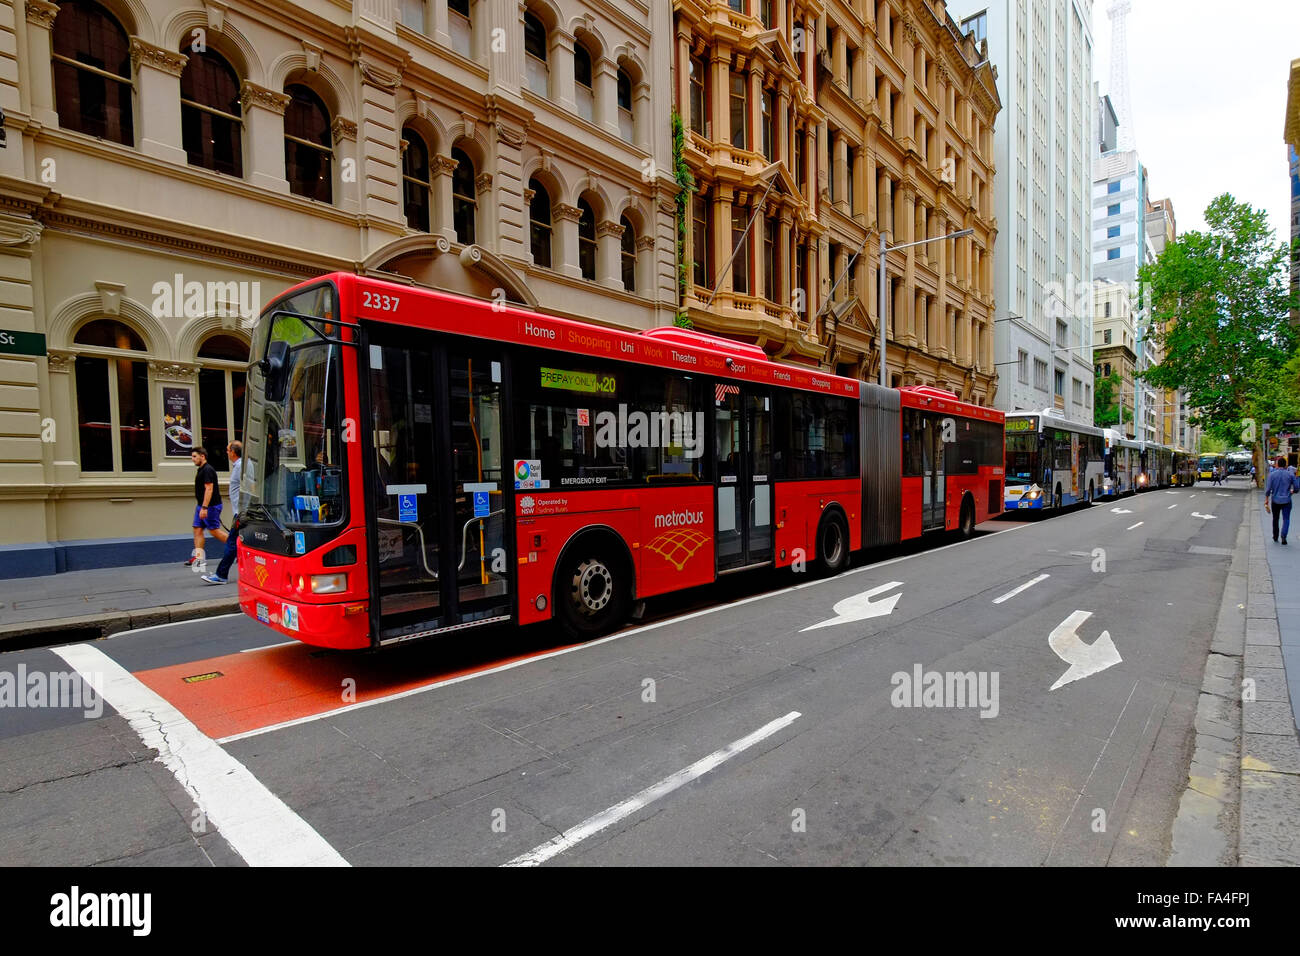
417, 463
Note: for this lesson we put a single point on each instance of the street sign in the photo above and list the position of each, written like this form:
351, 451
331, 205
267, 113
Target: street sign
22, 343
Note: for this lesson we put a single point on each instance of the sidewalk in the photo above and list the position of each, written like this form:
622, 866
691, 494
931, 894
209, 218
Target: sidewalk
109, 600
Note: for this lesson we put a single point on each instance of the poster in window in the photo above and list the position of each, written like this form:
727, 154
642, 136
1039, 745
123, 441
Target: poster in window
178, 423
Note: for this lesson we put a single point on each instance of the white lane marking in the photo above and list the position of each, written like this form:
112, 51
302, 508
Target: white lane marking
1197, 514
1132, 526
604, 640
255, 822
1171, 492
1028, 584
1190, 497
607, 818
1171, 507
217, 617
1084, 659
1219, 494
860, 607
1121, 511
267, 647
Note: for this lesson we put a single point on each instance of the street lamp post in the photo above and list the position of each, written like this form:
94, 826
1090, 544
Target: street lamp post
880, 289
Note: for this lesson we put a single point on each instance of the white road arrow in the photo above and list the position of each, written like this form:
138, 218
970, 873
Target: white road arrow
1084, 659
1197, 514
1121, 511
859, 607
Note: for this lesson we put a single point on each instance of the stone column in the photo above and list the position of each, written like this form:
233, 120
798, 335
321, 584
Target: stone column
62, 366
441, 218
263, 111
606, 93
782, 151
560, 62
565, 218
40, 21
158, 93
641, 119
721, 94
486, 226
609, 253
645, 263
722, 196
785, 268
440, 24
754, 108
378, 202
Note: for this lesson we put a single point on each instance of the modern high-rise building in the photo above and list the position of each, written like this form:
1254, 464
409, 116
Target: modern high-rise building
1044, 145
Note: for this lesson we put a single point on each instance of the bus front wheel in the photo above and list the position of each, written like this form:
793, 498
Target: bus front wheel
592, 594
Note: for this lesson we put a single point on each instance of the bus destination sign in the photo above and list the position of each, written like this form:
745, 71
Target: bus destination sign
1022, 424
575, 381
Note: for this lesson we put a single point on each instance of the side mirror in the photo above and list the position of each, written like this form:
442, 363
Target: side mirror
275, 369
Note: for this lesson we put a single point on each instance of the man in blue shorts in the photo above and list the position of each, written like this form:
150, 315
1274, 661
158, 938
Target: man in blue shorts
207, 510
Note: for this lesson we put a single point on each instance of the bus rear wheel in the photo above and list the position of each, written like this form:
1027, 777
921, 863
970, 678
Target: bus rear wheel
591, 594
832, 545
966, 524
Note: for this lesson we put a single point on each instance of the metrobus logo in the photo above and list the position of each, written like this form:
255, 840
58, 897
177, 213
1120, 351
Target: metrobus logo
651, 430
677, 518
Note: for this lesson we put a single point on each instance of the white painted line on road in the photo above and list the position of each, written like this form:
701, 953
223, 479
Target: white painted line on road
607, 818
347, 708
1132, 526
1028, 584
154, 627
267, 647
1171, 507
1190, 497
255, 822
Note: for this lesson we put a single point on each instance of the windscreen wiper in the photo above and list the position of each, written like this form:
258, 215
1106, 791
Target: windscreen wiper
265, 512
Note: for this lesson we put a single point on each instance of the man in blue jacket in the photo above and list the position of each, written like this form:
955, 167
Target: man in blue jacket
1277, 496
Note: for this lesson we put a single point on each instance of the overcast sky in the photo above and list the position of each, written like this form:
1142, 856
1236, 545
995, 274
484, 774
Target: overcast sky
1208, 87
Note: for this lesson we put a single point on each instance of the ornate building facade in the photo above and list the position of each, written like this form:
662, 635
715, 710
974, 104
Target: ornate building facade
171, 166
840, 121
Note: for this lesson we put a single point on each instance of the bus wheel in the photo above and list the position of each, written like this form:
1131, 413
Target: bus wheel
966, 524
591, 598
832, 545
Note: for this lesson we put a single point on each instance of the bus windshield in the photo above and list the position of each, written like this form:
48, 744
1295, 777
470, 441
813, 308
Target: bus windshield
1022, 458
294, 467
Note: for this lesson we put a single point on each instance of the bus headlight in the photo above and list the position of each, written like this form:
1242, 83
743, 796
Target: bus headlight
329, 583
1035, 494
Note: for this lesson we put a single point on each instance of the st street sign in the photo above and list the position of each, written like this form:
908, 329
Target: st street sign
22, 343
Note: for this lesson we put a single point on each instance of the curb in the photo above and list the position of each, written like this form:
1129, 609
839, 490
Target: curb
113, 622
1270, 754
1205, 831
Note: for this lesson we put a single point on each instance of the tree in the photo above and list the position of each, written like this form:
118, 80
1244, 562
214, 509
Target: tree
1219, 304
1106, 408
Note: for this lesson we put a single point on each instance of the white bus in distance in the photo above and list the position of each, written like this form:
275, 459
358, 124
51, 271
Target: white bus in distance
1052, 463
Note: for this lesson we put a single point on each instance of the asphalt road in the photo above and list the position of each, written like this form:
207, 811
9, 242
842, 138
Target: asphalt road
732, 734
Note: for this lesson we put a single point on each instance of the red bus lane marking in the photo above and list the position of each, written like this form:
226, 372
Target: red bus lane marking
284, 683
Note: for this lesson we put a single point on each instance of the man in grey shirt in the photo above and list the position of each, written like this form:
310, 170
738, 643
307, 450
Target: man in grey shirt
1277, 496
235, 451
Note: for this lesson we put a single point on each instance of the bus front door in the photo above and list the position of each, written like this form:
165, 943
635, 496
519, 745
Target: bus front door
743, 441
441, 558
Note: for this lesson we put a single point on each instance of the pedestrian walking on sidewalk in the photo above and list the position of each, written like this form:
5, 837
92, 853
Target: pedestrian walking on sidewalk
207, 508
235, 452
1277, 496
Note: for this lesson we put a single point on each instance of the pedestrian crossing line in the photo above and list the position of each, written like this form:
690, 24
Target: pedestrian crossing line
257, 824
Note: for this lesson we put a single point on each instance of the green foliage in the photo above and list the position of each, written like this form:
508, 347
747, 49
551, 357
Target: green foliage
1106, 409
1219, 306
683, 321
685, 186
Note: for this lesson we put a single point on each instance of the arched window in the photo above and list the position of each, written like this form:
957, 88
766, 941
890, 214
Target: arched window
211, 119
539, 71
587, 240
308, 147
583, 84
92, 72
464, 202
222, 360
628, 244
626, 125
112, 380
417, 189
539, 224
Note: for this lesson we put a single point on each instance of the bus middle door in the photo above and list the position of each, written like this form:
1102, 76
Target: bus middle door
934, 481
743, 449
